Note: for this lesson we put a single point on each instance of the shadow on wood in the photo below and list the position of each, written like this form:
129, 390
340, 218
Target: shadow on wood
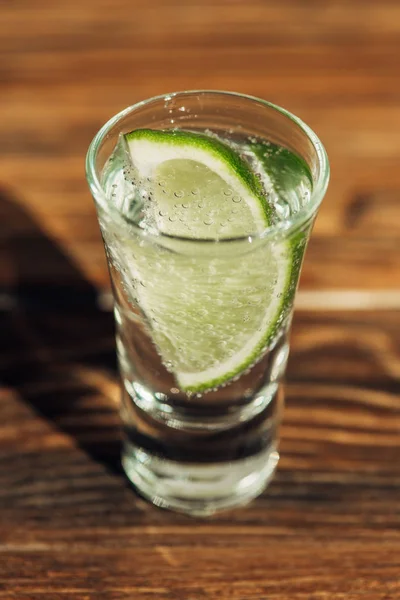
57, 346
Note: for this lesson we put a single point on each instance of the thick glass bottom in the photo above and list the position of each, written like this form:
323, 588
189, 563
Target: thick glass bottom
198, 489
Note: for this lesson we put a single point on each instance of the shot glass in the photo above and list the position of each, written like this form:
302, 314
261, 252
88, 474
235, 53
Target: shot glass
202, 325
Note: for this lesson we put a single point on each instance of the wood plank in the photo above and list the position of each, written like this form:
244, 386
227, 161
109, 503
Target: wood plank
333, 64
70, 527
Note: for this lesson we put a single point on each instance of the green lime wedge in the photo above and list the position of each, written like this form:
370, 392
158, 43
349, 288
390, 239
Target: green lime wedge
212, 310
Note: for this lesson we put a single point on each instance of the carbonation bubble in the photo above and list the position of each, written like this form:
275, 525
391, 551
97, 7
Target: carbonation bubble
208, 221
179, 194
236, 199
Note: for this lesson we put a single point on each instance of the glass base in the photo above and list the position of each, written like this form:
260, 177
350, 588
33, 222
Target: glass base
196, 489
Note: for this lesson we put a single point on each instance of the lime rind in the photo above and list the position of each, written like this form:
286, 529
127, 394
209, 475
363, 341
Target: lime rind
286, 170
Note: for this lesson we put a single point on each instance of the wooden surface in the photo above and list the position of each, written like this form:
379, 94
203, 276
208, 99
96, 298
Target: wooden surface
70, 526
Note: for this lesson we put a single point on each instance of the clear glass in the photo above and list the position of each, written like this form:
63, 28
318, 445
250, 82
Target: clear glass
215, 449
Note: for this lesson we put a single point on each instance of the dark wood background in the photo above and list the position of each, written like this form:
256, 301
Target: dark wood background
70, 527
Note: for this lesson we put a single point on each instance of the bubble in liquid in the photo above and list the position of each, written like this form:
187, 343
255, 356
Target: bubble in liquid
227, 192
236, 199
195, 191
179, 194
172, 219
163, 213
185, 205
208, 221
161, 183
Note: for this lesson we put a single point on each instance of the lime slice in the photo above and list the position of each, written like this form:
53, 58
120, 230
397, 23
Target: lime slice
212, 309
197, 181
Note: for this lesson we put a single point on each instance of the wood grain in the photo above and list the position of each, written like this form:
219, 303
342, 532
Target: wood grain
68, 69
70, 526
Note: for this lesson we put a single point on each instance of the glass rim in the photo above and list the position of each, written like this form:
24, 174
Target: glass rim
282, 228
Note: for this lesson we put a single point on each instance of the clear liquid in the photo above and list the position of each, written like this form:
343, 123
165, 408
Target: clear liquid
230, 422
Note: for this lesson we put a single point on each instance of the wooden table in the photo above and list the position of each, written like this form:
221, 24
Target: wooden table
70, 527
